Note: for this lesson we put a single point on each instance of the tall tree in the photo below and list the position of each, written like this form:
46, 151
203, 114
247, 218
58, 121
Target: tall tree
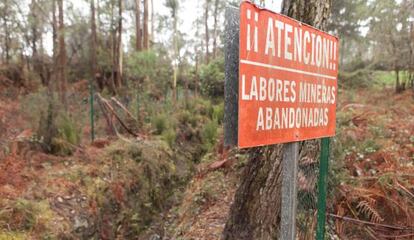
198, 51
146, 31
215, 27
346, 22
62, 55
411, 63
120, 50
93, 41
7, 41
33, 19
152, 21
255, 213
55, 75
207, 33
389, 28
173, 5
138, 35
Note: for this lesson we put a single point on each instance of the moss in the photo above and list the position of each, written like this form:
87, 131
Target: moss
143, 176
13, 236
24, 216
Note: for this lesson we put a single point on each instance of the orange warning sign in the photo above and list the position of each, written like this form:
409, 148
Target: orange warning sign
287, 79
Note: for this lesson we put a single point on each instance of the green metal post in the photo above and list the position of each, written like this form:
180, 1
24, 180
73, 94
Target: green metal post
92, 110
138, 102
322, 183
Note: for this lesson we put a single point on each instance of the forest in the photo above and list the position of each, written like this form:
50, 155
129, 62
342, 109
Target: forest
112, 113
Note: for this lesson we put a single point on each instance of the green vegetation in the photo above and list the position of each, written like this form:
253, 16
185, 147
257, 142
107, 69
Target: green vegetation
25, 215
212, 78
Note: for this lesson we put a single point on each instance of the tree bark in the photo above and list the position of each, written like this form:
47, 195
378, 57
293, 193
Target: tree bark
175, 42
52, 84
152, 21
207, 34
6, 32
138, 35
255, 213
398, 86
215, 30
114, 52
34, 31
146, 32
411, 63
197, 80
119, 46
62, 55
93, 40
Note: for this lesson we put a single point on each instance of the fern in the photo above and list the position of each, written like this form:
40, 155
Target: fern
366, 208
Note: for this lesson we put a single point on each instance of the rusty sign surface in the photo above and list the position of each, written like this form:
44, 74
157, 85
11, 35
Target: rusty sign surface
287, 79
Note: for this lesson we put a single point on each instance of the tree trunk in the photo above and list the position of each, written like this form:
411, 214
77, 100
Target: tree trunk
411, 64
93, 40
34, 31
215, 30
197, 80
114, 52
62, 55
6, 32
255, 213
146, 32
98, 19
119, 46
175, 67
52, 84
152, 21
398, 87
207, 34
138, 42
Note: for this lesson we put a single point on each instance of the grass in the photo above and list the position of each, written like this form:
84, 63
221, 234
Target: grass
24, 215
387, 78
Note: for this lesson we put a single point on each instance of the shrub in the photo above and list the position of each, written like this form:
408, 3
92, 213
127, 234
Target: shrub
209, 135
186, 117
160, 122
218, 113
152, 70
142, 64
68, 130
68, 136
358, 79
169, 136
212, 78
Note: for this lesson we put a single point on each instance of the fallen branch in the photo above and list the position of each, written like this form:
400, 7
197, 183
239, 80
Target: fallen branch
123, 108
108, 119
397, 236
370, 223
405, 189
109, 107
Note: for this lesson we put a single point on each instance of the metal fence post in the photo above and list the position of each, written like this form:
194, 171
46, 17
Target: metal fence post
322, 184
289, 191
231, 83
92, 110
